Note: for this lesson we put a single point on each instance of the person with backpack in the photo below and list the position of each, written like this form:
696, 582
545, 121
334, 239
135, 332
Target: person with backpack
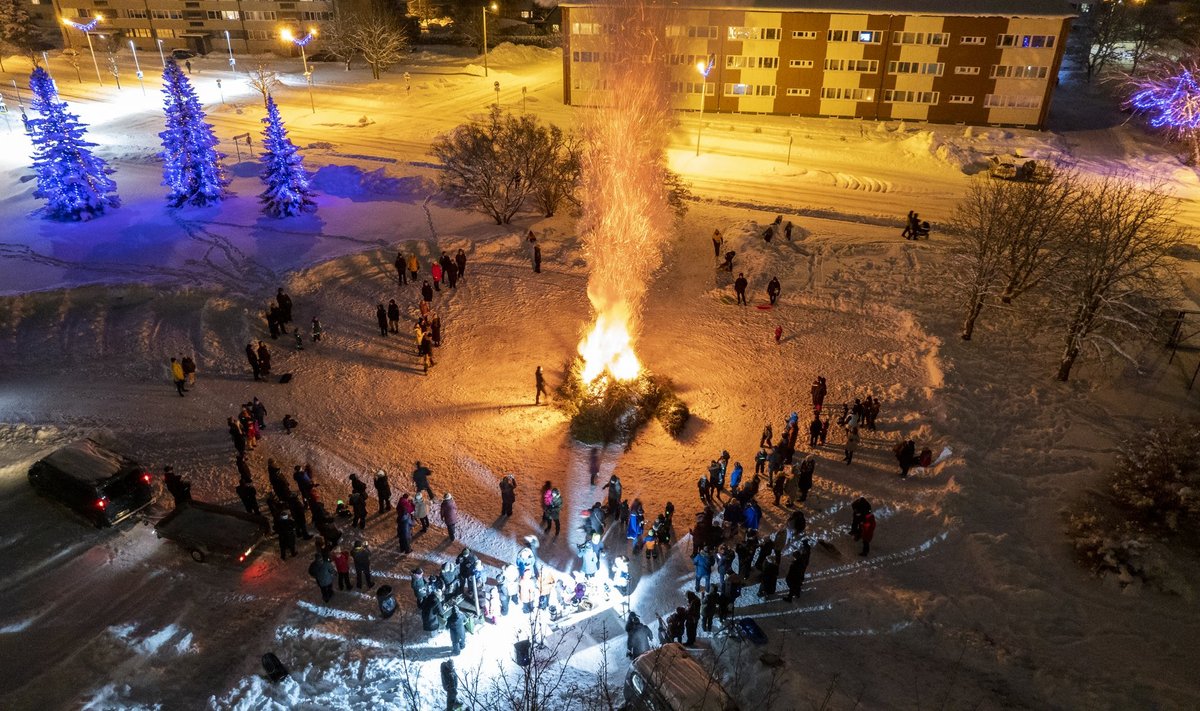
322, 572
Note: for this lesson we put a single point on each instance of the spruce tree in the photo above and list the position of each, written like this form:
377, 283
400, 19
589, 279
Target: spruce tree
16, 30
191, 163
287, 192
72, 180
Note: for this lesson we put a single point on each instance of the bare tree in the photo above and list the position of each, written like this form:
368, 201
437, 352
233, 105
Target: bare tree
1169, 96
381, 40
558, 182
495, 163
1104, 27
1150, 27
339, 37
1038, 218
1118, 269
262, 80
978, 237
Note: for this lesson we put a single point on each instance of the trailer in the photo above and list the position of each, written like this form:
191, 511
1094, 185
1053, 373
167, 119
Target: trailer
209, 531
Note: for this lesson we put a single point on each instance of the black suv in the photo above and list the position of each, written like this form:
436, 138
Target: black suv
101, 485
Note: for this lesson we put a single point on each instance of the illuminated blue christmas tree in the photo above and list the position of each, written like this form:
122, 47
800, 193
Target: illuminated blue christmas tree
287, 192
191, 164
70, 178
1168, 93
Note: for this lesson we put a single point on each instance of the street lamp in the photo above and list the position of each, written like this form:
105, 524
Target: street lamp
87, 32
302, 42
494, 7
229, 44
704, 68
137, 66
161, 56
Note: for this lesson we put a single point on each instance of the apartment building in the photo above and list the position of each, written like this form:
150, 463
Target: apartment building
983, 62
200, 25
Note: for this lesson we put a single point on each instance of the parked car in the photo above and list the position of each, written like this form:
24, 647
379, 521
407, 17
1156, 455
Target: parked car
669, 679
182, 54
209, 531
96, 482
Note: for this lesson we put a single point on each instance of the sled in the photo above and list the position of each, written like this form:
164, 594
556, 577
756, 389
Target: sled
764, 307
747, 629
285, 378
274, 668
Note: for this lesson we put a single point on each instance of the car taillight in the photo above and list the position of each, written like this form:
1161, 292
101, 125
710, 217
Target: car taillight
102, 503
242, 558
146, 477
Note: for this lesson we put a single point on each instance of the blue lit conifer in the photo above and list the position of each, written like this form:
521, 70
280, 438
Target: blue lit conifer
191, 163
288, 191
70, 178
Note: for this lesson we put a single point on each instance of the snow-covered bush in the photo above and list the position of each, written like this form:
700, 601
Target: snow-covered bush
1153, 503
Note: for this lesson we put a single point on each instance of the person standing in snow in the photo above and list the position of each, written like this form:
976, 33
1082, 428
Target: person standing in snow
393, 316
426, 293
709, 606
237, 435
851, 444
773, 289
906, 455
362, 564
451, 270
189, 369
341, 563
421, 510
264, 360
819, 389
420, 477
458, 632
717, 241
286, 531
804, 475
358, 503
614, 496
252, 358
316, 330
540, 383
177, 376
401, 273
508, 494
285, 308
799, 566
414, 267
435, 270
404, 526
553, 511
449, 511
383, 489
460, 260
768, 434
248, 494
739, 288
770, 575
381, 317
321, 570
867, 531
703, 562
760, 462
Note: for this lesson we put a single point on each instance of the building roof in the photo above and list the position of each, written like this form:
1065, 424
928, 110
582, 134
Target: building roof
972, 8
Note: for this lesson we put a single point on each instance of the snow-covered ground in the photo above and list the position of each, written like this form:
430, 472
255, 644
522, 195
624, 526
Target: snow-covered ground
970, 598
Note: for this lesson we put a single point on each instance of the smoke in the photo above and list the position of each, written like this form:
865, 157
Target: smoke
626, 215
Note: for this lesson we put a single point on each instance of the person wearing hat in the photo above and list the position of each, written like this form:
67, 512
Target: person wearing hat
449, 511
383, 489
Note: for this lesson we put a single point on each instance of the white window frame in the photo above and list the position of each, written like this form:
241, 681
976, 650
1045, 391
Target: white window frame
585, 28
801, 63
730, 89
793, 91
1012, 101
935, 69
908, 96
970, 71
1019, 71
1026, 41
859, 36
932, 39
860, 66
973, 40
960, 99
847, 93
804, 34
738, 61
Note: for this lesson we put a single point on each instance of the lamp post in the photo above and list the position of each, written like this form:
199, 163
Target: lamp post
232, 61
302, 42
524, 90
494, 7
161, 56
704, 68
87, 32
137, 66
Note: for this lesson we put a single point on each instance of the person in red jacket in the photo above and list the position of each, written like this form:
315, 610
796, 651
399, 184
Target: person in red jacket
867, 532
341, 562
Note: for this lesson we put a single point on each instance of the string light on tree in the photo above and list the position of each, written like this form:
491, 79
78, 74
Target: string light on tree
288, 193
87, 28
191, 163
70, 178
1169, 95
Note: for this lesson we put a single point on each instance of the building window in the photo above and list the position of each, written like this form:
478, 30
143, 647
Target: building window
585, 28
165, 34
800, 63
1026, 41
689, 60
587, 56
960, 99
929, 68
134, 14
260, 15
935, 39
837, 92
869, 66
252, 34
691, 31
862, 36
692, 87
1001, 71
1011, 101
589, 84
896, 96
309, 15
976, 39
755, 33
966, 70
750, 90
167, 14
799, 92
137, 32
734, 61
804, 34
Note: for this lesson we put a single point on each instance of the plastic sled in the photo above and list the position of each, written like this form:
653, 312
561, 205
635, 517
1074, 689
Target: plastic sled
273, 667
764, 307
749, 630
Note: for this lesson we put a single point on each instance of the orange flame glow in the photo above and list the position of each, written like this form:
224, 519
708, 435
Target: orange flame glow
609, 347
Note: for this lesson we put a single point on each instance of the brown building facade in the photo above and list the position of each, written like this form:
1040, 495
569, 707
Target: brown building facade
983, 62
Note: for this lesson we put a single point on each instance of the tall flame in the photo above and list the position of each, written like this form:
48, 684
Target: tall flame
626, 214
609, 347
